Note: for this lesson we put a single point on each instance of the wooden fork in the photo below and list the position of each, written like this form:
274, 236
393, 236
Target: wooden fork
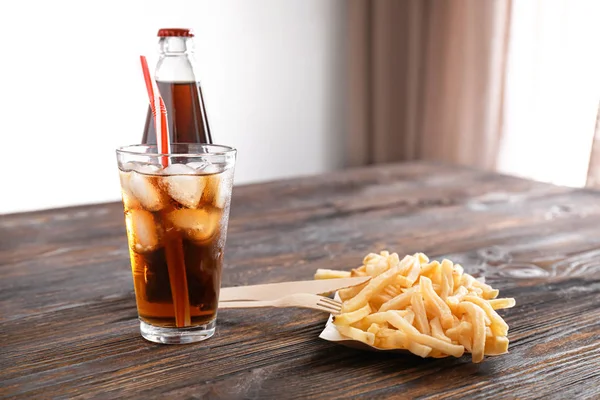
300, 300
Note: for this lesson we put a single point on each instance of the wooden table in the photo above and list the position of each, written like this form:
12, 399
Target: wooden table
68, 316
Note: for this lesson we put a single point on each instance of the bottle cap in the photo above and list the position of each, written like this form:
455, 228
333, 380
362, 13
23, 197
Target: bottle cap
166, 32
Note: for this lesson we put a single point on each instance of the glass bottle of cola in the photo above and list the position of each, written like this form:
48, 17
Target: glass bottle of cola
180, 89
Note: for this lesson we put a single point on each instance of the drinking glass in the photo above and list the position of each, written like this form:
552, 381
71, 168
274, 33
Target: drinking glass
176, 214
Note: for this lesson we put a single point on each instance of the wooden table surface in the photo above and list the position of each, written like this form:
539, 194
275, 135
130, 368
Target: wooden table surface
68, 316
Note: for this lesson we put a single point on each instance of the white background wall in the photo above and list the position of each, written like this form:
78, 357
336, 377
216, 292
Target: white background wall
72, 89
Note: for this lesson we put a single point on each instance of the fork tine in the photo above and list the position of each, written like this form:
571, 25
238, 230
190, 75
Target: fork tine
330, 301
327, 306
334, 311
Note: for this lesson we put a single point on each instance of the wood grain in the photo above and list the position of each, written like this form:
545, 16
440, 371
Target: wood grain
68, 320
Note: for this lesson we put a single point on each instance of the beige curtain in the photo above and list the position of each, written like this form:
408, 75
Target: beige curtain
426, 80
593, 175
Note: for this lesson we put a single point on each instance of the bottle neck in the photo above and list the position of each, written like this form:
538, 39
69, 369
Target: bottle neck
175, 46
176, 60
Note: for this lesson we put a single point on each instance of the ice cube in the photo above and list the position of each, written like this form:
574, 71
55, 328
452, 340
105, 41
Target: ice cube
143, 236
197, 165
124, 178
197, 224
179, 169
130, 202
148, 169
183, 185
128, 166
140, 167
144, 189
128, 199
218, 187
225, 186
211, 169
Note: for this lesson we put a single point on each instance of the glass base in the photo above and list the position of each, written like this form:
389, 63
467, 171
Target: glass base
192, 334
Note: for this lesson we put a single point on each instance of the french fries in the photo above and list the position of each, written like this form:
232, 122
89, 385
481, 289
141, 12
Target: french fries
421, 322
353, 317
357, 334
498, 304
429, 308
331, 274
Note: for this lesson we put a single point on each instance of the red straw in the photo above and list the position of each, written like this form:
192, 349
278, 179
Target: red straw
160, 119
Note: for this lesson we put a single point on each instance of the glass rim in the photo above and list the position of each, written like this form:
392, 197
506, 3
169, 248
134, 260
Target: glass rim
135, 150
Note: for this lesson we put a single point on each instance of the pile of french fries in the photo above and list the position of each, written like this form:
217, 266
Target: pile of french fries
429, 308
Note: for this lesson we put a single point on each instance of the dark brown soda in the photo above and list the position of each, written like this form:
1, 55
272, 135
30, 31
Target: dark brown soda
182, 271
187, 119
202, 264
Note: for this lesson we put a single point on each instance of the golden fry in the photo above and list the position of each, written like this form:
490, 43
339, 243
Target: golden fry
356, 334
477, 316
394, 340
423, 259
421, 322
393, 260
370, 258
467, 280
375, 269
378, 318
419, 349
496, 346
350, 292
488, 291
441, 308
430, 269
352, 317
331, 274
498, 326
457, 272
447, 281
397, 303
414, 271
498, 304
